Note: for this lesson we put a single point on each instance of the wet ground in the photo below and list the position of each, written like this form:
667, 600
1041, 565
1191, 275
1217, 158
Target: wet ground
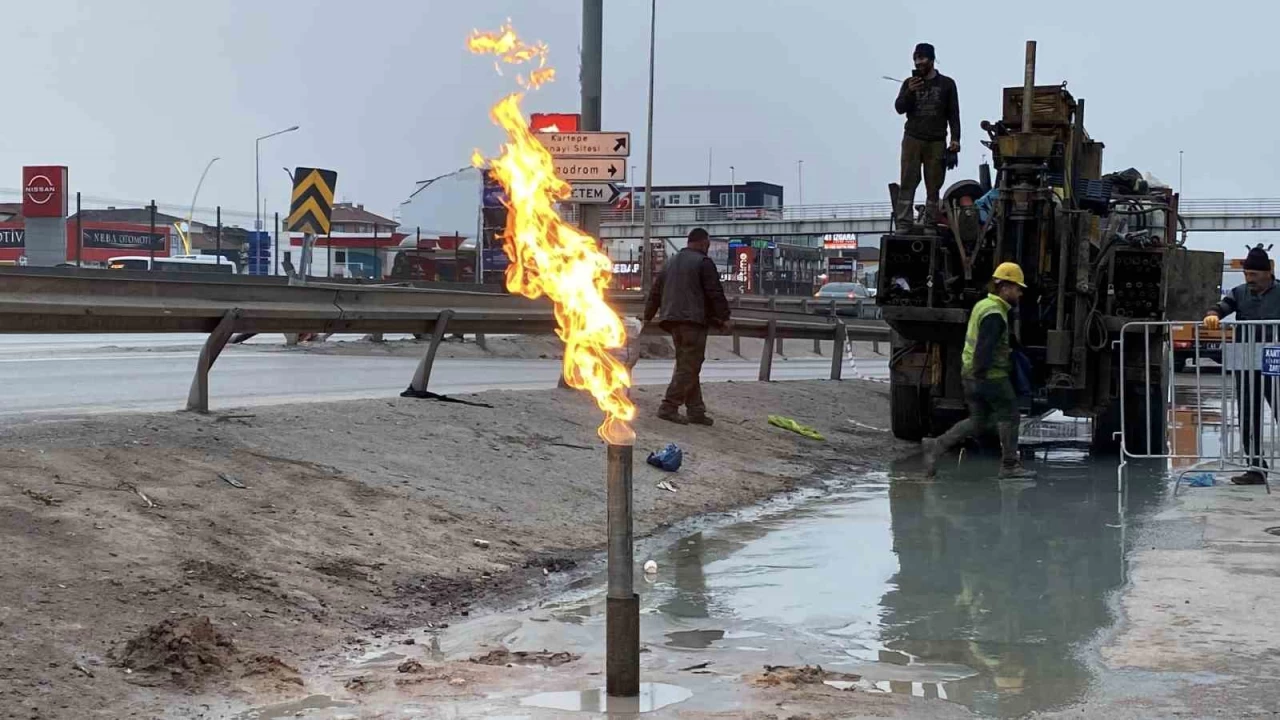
981, 595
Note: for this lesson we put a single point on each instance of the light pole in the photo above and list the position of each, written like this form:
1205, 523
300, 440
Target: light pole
257, 176
733, 192
1179, 172
633, 195
800, 178
646, 272
191, 215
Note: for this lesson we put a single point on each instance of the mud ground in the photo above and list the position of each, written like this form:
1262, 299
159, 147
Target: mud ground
300, 532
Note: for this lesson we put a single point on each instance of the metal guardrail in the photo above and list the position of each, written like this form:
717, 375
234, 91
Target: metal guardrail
110, 302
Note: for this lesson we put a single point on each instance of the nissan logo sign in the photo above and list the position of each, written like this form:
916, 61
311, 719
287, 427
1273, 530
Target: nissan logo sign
40, 189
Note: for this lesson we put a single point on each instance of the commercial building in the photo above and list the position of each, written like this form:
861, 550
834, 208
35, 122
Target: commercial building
360, 244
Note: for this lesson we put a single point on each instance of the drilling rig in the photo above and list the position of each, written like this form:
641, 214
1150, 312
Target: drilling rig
1098, 251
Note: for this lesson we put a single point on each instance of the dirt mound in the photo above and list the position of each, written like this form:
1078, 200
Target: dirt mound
776, 675
189, 649
270, 670
545, 658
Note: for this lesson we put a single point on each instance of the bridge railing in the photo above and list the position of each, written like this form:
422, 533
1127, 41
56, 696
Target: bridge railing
1229, 207
708, 214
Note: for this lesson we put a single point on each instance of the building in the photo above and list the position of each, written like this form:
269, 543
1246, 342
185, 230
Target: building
360, 244
750, 194
103, 234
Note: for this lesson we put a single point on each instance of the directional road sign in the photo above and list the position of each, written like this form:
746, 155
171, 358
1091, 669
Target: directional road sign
588, 144
312, 206
595, 193
591, 169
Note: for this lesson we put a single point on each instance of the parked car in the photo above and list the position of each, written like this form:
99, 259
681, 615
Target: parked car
843, 290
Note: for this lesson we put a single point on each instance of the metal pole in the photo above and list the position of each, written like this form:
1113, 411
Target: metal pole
800, 178
733, 191
79, 232
632, 185
1028, 86
1179, 172
192, 213
646, 272
257, 186
151, 237
592, 51
277, 263
622, 609
217, 248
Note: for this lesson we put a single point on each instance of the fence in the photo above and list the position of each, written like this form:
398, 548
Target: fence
1248, 380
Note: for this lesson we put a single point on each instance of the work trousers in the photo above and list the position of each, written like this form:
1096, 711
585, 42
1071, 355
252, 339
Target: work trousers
993, 405
929, 155
1253, 390
686, 385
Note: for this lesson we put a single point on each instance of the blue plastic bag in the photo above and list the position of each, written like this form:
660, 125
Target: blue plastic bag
668, 458
1021, 373
1200, 480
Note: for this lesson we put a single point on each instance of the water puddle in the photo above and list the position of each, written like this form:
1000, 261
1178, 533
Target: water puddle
293, 709
653, 696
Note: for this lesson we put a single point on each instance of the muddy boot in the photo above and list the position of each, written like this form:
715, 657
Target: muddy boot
1249, 477
1015, 472
702, 419
931, 453
1010, 466
672, 416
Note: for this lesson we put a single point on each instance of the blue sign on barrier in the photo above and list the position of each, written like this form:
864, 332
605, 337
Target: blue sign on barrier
1271, 360
258, 261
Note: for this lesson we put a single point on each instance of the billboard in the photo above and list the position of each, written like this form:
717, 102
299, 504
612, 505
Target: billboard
44, 191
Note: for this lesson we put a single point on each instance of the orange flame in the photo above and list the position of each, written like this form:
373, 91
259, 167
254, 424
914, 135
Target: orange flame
552, 258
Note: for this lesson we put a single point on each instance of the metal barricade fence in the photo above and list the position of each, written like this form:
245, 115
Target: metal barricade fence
1248, 357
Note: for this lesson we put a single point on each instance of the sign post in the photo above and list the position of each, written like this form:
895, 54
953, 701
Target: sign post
311, 210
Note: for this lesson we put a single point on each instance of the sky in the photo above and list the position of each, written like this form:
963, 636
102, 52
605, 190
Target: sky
136, 96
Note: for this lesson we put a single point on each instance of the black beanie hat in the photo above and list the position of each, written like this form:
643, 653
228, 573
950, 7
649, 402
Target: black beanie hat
924, 49
1257, 260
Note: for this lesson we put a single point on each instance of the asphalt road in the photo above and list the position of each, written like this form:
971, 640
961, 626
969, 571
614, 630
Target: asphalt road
82, 374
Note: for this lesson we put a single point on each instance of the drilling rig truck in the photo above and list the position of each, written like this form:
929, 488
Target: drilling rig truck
1099, 252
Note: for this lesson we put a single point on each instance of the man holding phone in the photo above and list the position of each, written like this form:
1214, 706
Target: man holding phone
931, 103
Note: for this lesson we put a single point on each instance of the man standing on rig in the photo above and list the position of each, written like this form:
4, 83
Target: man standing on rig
931, 103
986, 366
1257, 299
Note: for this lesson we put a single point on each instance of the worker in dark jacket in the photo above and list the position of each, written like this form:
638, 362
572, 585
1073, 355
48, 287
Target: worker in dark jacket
687, 298
931, 103
986, 367
1257, 299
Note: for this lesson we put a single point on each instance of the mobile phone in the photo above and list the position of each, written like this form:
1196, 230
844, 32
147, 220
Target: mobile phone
917, 73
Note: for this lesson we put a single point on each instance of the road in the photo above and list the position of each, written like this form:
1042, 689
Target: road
81, 374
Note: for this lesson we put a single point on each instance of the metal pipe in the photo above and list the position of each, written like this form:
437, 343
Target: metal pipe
646, 271
1028, 86
590, 78
622, 632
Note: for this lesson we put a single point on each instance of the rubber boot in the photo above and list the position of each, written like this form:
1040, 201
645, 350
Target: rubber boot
1010, 466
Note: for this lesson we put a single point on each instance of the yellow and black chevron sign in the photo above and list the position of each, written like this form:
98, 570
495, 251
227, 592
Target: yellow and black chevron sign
312, 206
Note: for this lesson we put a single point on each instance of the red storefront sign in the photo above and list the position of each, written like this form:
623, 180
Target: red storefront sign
44, 191
102, 241
554, 122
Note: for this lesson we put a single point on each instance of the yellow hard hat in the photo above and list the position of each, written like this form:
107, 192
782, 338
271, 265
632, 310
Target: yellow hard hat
1010, 272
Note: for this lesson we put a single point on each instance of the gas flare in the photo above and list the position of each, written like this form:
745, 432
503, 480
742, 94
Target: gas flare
550, 257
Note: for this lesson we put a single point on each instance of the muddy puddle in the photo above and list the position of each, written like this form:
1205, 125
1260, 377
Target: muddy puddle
961, 589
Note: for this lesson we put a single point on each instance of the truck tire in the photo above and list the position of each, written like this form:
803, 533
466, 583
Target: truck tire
907, 411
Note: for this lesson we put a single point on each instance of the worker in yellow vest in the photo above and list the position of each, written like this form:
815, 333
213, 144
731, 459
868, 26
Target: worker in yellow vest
986, 368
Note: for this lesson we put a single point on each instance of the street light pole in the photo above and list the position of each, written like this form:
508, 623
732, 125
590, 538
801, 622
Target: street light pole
646, 255
800, 178
257, 176
733, 192
1179, 172
632, 199
191, 215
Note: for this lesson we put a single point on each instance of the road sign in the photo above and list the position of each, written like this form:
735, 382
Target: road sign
312, 206
554, 122
597, 169
1271, 360
587, 144
595, 193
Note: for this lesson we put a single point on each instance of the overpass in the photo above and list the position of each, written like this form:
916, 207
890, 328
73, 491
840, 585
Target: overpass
1210, 215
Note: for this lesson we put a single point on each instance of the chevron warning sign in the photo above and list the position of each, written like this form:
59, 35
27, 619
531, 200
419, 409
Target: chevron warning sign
312, 206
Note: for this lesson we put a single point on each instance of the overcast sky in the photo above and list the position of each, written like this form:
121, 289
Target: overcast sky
136, 95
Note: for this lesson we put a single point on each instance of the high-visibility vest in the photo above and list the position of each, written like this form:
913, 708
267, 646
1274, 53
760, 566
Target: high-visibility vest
1001, 365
